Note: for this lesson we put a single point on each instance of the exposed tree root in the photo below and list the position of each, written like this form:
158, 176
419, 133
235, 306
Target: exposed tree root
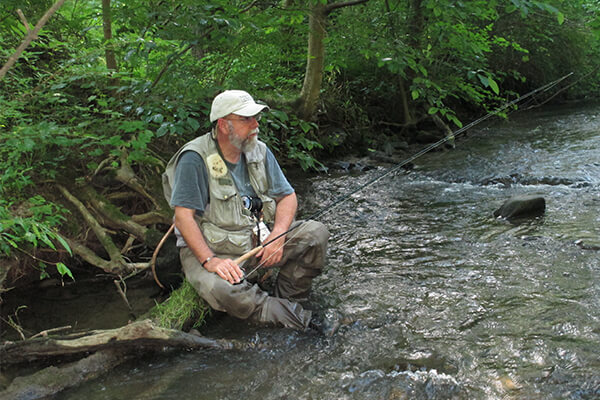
152, 217
113, 215
126, 176
116, 260
92, 258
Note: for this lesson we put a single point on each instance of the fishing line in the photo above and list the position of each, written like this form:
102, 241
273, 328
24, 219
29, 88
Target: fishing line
341, 199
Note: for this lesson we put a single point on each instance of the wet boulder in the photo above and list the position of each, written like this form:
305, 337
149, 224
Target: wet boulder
525, 206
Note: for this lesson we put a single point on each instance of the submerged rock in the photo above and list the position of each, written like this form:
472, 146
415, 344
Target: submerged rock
426, 384
522, 207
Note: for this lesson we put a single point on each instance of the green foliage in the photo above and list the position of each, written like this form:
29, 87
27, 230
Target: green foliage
295, 138
445, 56
183, 307
65, 118
36, 226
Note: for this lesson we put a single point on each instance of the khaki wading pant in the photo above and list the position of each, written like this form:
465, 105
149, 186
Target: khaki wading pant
303, 259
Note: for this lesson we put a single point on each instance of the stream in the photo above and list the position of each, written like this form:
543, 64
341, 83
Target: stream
439, 299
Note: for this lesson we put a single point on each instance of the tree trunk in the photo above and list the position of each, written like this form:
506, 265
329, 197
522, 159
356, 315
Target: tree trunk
408, 117
111, 61
313, 77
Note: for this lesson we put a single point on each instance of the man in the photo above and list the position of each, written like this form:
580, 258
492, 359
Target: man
215, 183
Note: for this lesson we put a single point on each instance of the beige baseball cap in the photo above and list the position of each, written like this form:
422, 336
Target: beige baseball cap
234, 102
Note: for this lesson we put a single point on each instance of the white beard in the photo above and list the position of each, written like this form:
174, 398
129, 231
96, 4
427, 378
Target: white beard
250, 142
244, 145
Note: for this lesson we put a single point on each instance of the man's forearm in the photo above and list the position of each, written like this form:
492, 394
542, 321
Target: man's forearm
285, 213
187, 226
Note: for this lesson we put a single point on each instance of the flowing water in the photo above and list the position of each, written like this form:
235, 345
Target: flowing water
440, 300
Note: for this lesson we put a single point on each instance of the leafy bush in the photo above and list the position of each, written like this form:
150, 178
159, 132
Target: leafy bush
37, 226
293, 138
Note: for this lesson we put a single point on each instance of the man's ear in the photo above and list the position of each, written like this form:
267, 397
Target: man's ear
222, 125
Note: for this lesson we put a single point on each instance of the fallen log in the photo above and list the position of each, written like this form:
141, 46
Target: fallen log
98, 351
135, 336
52, 380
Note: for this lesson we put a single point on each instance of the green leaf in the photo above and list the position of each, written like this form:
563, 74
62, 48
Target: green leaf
163, 129
64, 270
494, 86
280, 115
48, 242
561, 18
305, 126
432, 110
193, 123
44, 274
64, 244
414, 94
455, 120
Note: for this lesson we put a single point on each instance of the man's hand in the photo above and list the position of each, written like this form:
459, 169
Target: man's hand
271, 254
225, 268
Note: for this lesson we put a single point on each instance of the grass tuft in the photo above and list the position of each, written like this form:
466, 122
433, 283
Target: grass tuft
183, 310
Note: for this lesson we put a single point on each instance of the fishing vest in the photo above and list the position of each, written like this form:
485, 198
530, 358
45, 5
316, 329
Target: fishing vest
226, 224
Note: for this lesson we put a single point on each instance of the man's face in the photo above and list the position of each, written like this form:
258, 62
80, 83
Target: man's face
242, 131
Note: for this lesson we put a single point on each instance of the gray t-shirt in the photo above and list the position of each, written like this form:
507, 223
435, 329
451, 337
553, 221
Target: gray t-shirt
190, 186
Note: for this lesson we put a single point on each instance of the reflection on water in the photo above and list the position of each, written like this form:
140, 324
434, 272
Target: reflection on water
440, 299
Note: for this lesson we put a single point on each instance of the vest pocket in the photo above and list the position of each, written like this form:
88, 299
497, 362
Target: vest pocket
222, 241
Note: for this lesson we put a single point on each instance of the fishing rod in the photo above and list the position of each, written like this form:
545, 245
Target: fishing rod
427, 149
339, 200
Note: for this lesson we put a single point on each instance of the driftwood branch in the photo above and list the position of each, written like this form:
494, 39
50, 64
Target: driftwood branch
122, 292
135, 336
31, 35
46, 332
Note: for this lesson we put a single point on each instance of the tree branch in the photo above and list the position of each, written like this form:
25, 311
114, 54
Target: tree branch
31, 35
52, 380
23, 20
334, 6
175, 56
152, 217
